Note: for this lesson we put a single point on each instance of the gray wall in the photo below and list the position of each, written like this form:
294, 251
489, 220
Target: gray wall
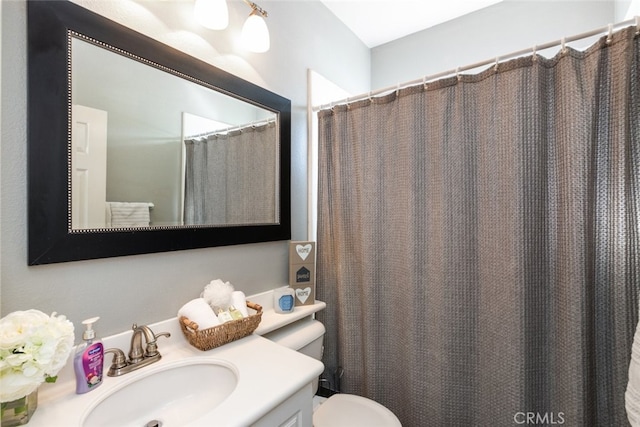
149, 288
500, 29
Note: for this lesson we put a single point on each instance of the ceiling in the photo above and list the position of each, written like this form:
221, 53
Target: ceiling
377, 22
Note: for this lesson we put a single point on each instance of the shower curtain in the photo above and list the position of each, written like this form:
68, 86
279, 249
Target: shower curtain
478, 242
230, 178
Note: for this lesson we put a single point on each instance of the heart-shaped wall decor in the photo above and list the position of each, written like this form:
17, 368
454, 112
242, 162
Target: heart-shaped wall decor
304, 251
303, 294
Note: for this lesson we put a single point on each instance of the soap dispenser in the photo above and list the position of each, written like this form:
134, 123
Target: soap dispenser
89, 359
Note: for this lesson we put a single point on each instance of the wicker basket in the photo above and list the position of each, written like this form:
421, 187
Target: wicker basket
207, 339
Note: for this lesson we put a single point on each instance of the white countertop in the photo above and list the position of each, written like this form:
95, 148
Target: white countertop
272, 320
267, 374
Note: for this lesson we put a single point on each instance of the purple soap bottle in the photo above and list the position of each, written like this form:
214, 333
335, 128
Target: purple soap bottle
89, 359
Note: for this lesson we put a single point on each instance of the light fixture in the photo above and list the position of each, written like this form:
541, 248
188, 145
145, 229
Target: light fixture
255, 34
212, 14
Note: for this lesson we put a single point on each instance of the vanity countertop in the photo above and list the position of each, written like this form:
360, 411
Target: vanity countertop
265, 379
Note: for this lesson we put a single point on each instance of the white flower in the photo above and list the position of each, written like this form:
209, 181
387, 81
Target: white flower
33, 347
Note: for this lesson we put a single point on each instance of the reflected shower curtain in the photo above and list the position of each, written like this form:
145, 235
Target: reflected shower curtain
230, 178
478, 242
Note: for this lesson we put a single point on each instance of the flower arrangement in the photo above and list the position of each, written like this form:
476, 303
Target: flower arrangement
33, 349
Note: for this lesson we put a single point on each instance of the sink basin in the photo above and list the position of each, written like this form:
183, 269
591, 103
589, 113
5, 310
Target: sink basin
174, 395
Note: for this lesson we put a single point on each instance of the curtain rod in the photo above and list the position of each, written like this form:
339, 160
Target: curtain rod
429, 78
231, 128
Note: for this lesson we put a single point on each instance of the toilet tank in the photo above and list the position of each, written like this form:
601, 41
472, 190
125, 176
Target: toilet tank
305, 336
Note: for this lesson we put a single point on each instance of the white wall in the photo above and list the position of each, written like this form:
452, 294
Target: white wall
1, 105
148, 288
626, 9
500, 29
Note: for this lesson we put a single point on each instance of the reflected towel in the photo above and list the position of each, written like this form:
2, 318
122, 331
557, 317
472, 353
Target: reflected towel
197, 310
128, 214
632, 396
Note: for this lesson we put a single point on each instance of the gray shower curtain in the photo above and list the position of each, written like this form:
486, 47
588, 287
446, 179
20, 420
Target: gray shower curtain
479, 239
230, 178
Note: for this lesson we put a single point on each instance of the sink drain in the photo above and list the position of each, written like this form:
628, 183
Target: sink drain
153, 423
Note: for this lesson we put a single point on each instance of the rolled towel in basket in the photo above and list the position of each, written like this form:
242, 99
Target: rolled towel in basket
197, 310
239, 301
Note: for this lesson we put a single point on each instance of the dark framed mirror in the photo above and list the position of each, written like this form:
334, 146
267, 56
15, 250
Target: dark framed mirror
135, 147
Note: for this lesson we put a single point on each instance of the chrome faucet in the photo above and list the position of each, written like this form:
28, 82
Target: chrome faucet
138, 357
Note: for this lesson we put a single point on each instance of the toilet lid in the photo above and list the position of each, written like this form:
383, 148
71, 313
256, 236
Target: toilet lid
348, 410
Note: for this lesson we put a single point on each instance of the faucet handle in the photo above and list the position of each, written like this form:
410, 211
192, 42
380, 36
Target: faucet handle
152, 346
119, 361
164, 334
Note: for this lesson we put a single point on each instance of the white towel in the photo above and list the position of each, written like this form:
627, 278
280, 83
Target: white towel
632, 396
197, 310
128, 214
239, 301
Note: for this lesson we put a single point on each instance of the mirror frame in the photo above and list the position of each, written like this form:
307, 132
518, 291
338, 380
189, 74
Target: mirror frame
49, 24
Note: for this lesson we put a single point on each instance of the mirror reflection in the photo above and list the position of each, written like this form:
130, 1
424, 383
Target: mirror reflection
153, 149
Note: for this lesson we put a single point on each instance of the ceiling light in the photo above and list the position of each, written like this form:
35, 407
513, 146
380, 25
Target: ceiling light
255, 34
212, 14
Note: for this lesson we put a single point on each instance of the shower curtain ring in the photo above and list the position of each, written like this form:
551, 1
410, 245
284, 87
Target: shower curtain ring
609, 34
534, 54
458, 76
637, 18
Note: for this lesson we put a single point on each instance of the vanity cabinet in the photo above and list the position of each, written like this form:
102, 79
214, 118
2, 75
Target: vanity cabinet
296, 411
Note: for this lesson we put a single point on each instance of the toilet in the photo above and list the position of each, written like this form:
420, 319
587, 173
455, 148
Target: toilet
340, 410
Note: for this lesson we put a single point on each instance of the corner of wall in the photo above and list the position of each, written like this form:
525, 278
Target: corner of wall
626, 9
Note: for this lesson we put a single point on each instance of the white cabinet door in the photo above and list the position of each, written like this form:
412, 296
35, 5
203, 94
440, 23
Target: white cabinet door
296, 411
